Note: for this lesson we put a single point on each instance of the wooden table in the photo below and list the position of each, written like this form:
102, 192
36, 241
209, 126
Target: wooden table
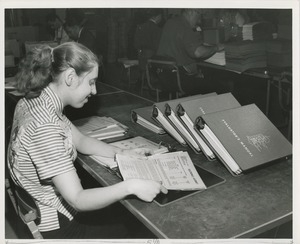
242, 207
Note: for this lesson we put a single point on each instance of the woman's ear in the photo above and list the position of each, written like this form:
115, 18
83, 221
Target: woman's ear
70, 76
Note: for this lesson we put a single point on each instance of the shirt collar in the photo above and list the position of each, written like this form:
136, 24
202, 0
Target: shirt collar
57, 103
79, 34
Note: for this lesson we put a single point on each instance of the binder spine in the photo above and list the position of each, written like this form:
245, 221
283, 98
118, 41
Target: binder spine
133, 116
180, 110
168, 110
199, 125
154, 112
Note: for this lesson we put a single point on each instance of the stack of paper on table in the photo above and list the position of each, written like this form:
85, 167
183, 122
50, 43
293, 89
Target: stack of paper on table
101, 127
218, 58
175, 170
243, 55
257, 31
243, 138
131, 143
143, 117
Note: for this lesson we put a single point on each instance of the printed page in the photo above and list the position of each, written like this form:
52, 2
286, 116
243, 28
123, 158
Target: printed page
105, 161
175, 170
140, 142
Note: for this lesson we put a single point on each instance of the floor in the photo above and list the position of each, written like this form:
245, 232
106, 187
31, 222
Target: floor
120, 223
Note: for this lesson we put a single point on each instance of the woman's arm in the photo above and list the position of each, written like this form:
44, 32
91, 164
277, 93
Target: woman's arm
91, 146
69, 186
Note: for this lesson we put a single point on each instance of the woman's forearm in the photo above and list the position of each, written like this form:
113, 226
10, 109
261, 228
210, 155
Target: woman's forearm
97, 198
92, 146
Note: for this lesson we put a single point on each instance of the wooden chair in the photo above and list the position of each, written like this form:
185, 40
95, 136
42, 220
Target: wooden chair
25, 207
162, 75
127, 65
23, 204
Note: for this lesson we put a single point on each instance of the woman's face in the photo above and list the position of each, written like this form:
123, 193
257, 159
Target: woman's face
84, 87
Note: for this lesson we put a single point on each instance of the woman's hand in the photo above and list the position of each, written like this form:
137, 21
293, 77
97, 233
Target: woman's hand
146, 190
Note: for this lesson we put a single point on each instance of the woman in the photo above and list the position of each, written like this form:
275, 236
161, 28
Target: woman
44, 143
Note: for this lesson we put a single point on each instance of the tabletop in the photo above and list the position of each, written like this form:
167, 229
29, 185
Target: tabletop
243, 206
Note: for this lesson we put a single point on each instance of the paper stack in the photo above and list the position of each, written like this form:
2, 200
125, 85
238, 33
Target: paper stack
243, 55
101, 127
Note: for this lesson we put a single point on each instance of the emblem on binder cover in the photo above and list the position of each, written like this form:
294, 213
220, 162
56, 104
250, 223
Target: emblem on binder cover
259, 141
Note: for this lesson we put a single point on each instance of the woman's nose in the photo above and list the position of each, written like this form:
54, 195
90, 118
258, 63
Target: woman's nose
94, 90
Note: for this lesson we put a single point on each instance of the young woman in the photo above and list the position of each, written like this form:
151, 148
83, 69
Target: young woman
44, 143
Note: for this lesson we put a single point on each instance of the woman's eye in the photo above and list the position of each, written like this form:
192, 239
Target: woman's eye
92, 83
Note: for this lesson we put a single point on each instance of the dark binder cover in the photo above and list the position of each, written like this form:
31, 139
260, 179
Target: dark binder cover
248, 135
172, 104
146, 114
210, 104
197, 107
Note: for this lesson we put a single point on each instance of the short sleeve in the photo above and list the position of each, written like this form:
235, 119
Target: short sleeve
48, 152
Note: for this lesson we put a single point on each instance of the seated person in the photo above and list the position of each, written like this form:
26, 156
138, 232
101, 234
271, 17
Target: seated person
180, 41
75, 28
147, 37
55, 29
44, 142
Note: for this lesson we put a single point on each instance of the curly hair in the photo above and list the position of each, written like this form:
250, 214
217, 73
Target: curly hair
43, 64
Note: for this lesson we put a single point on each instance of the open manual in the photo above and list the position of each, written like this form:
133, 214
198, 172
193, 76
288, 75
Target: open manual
175, 170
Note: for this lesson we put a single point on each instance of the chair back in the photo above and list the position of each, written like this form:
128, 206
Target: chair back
25, 207
163, 73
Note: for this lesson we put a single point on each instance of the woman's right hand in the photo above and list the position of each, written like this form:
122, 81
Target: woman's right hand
146, 190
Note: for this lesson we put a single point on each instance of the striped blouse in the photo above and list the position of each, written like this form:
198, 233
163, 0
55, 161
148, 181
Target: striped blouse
40, 148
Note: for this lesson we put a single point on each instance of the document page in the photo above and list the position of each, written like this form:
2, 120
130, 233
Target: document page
175, 170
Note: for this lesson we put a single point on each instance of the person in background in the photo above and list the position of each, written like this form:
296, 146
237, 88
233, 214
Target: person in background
55, 29
44, 142
180, 41
117, 34
74, 25
147, 36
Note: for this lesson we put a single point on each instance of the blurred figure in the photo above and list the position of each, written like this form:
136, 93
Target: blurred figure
55, 29
118, 26
75, 27
180, 41
147, 36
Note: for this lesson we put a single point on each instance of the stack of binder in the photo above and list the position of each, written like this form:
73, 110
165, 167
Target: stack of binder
188, 111
241, 137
